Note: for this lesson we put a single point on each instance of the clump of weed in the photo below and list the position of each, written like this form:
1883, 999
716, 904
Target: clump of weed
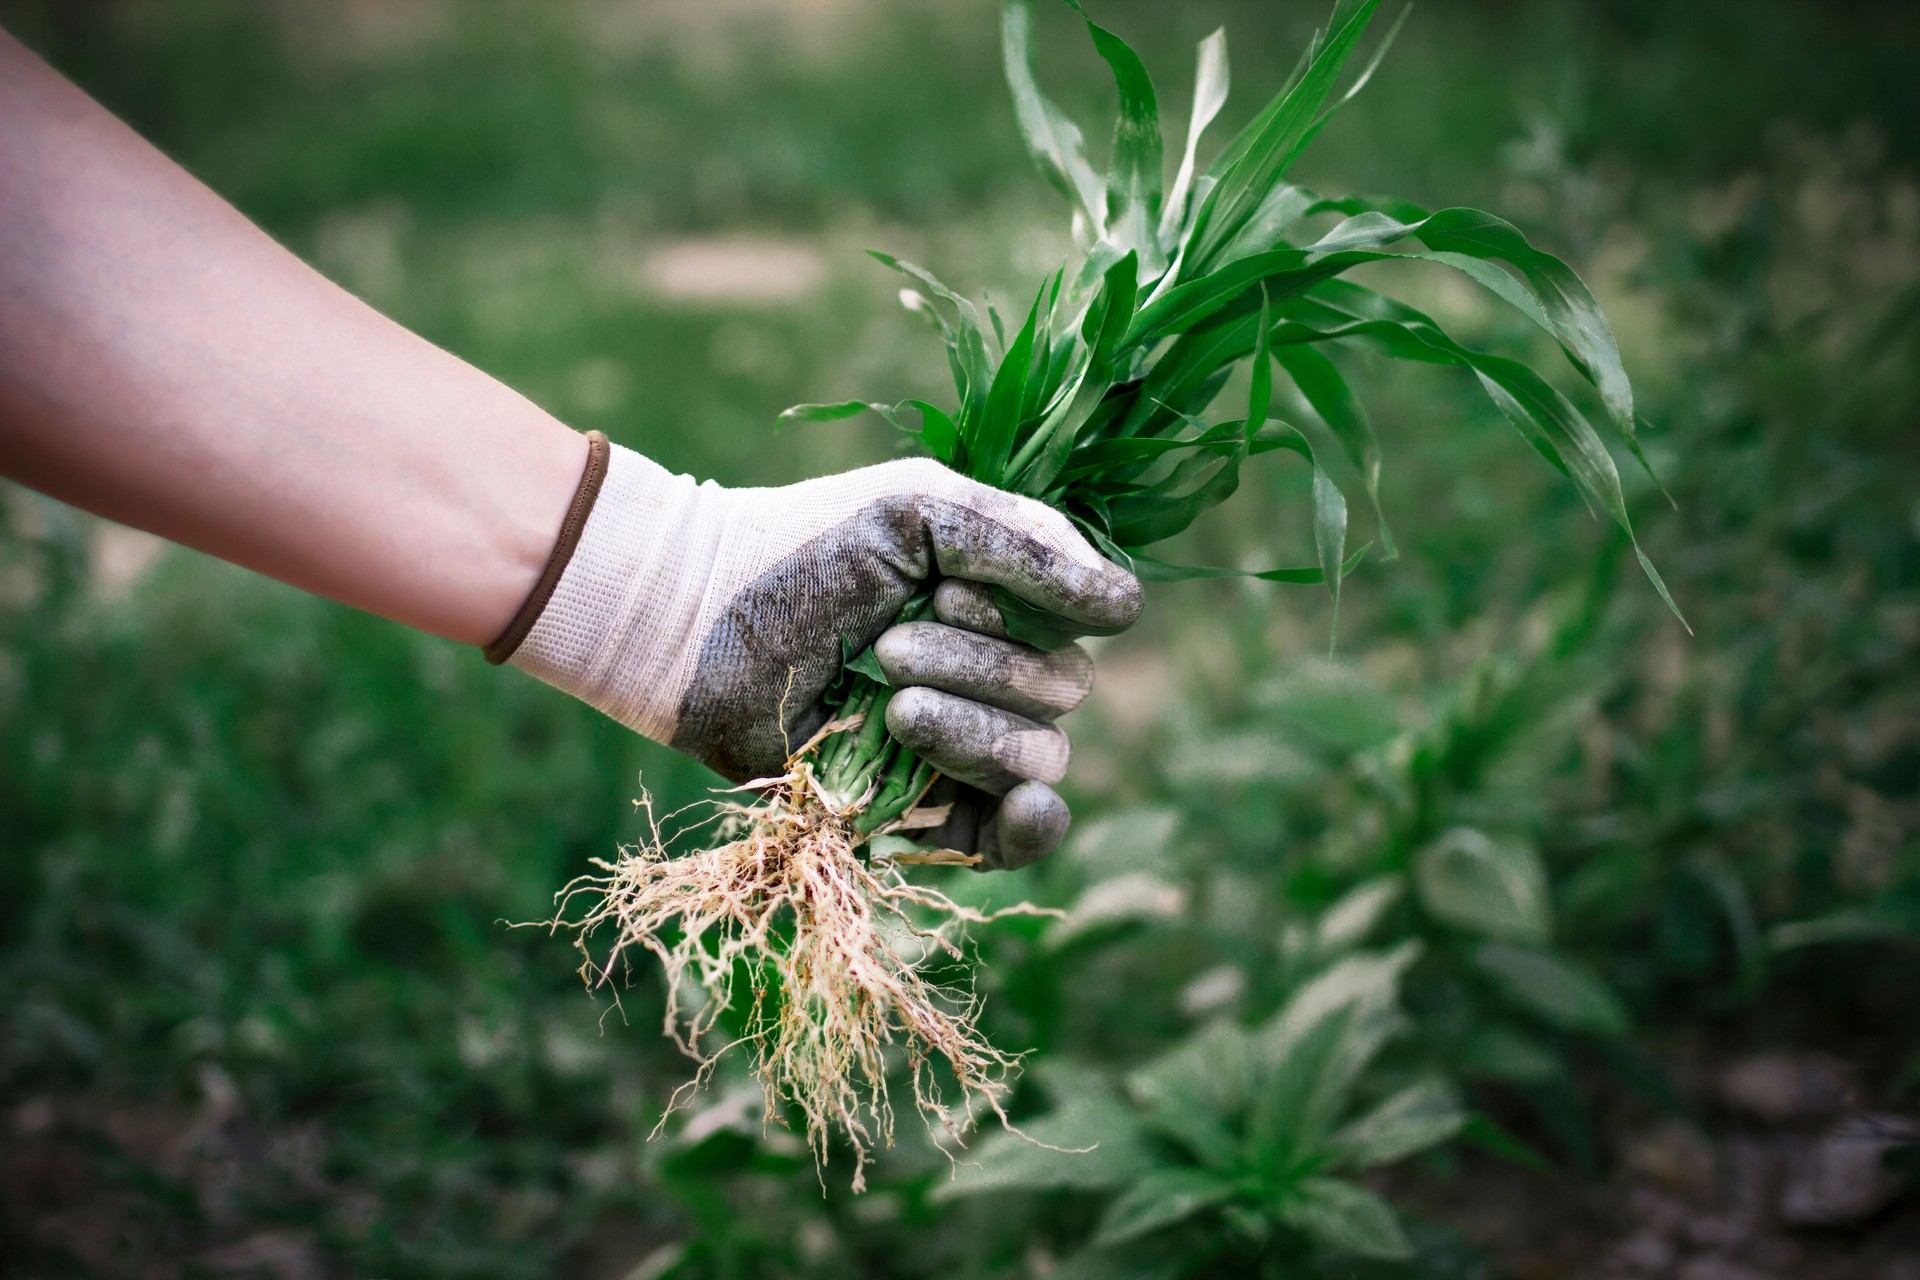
832, 945
1101, 405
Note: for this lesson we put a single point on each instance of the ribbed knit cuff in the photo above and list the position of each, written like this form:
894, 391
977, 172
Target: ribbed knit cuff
622, 629
598, 451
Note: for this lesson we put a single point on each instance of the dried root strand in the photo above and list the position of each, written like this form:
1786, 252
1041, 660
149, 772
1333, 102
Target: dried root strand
830, 943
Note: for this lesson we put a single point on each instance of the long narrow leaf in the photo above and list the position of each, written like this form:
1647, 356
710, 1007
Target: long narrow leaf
1155, 517
1329, 537
1540, 413
973, 366
1052, 140
1272, 142
1266, 229
1210, 84
1553, 295
1148, 569
836, 412
1260, 383
993, 441
1133, 174
1327, 393
1039, 461
1366, 72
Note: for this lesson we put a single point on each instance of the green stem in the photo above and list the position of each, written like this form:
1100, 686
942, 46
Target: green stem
856, 757
901, 783
848, 764
834, 753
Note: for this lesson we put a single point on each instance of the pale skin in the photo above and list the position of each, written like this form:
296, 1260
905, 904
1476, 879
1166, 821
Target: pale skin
166, 364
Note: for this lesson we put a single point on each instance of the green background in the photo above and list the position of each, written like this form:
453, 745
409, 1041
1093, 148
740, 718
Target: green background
259, 1012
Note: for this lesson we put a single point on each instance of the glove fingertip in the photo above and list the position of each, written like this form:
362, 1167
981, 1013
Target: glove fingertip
1031, 823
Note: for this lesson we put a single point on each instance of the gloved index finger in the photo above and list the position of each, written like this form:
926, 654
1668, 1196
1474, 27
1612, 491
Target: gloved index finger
979, 607
1050, 581
996, 611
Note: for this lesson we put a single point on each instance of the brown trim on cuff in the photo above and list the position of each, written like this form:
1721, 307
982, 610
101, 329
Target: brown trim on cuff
599, 450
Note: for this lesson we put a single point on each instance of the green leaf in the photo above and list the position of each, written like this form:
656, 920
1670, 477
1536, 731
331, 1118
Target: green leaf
1043, 370
1304, 1083
1420, 1116
1553, 296
1147, 569
1105, 456
1040, 460
1118, 288
1161, 513
867, 665
962, 305
992, 447
1133, 177
1498, 1052
1849, 924
1009, 1161
1346, 923
1329, 538
1194, 1091
836, 412
967, 345
1308, 1055
1328, 394
1255, 161
1495, 888
1260, 380
1550, 293
1151, 518
1284, 206
1552, 988
1155, 517
1182, 307
1041, 628
1210, 82
1160, 1199
1052, 140
1366, 72
1338, 310
937, 431
1344, 1217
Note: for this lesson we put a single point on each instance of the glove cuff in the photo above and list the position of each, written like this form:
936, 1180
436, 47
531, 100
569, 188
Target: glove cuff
599, 449
616, 626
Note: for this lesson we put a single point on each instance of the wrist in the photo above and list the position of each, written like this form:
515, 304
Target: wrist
541, 561
610, 619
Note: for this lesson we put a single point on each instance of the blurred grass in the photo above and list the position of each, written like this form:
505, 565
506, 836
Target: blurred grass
257, 847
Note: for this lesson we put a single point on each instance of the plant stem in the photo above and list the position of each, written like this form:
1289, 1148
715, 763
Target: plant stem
868, 762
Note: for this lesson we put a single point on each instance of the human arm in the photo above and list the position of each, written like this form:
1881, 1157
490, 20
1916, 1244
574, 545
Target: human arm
164, 363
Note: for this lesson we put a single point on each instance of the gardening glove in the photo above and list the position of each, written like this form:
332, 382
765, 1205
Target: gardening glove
713, 620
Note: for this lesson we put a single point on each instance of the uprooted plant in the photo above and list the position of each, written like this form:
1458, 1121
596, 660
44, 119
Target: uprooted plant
1096, 406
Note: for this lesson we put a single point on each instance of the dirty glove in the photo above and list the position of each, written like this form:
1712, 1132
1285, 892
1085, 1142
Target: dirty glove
712, 620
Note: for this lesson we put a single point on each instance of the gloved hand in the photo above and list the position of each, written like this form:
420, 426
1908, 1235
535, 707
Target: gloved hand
711, 619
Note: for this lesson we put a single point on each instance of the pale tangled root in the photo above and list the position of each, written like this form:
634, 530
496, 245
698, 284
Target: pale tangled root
819, 932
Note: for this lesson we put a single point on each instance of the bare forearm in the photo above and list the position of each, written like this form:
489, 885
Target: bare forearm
166, 364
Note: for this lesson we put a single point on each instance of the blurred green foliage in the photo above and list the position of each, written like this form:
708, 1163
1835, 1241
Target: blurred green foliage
258, 849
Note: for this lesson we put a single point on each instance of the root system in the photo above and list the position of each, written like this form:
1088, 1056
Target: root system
831, 945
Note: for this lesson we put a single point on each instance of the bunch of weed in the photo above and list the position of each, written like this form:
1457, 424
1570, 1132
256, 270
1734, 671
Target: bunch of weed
1095, 405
